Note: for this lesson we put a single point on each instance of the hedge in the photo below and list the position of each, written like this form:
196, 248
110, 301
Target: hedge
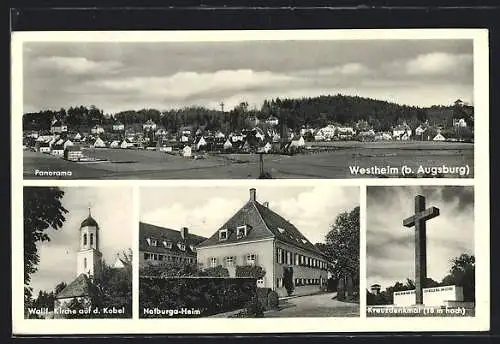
198, 296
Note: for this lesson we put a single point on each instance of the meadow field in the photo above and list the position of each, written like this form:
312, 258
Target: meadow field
323, 160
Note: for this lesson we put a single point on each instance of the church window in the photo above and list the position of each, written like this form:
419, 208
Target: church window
91, 239
223, 234
85, 263
85, 239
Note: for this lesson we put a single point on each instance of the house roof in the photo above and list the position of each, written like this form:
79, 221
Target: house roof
147, 230
81, 286
264, 223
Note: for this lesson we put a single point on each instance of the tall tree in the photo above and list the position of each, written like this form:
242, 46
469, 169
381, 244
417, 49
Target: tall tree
42, 210
462, 273
342, 246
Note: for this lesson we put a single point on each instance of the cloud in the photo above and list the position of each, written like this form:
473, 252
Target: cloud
76, 65
439, 63
187, 84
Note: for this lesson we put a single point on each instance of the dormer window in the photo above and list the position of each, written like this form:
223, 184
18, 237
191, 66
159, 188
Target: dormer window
181, 246
192, 248
304, 241
281, 230
241, 231
167, 244
154, 242
223, 234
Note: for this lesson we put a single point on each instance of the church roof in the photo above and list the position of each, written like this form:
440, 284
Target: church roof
81, 286
89, 222
264, 223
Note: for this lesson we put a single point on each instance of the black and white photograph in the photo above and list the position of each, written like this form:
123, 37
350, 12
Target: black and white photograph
77, 252
248, 109
248, 252
420, 251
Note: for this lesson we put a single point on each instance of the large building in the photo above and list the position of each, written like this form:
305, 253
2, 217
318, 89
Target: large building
256, 235
158, 244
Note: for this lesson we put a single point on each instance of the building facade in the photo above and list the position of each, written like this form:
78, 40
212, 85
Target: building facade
165, 245
256, 235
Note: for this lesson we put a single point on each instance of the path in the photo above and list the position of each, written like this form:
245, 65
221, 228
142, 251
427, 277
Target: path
319, 305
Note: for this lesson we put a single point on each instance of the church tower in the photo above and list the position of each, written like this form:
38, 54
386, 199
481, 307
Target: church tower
89, 258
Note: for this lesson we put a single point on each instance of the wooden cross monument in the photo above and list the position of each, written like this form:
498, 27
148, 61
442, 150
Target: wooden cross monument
418, 220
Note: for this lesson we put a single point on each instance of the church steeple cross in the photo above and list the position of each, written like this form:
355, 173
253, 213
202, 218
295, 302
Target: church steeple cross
418, 221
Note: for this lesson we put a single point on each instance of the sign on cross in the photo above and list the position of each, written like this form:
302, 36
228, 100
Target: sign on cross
418, 221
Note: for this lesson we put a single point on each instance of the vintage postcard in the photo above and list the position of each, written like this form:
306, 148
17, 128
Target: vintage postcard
179, 182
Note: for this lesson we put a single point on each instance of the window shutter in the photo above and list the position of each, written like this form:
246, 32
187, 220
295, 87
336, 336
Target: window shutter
244, 259
256, 260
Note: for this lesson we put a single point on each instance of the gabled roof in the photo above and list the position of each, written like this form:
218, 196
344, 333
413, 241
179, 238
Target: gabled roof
147, 230
81, 286
264, 223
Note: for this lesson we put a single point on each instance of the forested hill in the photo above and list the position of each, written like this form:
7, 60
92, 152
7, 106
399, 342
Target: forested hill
298, 113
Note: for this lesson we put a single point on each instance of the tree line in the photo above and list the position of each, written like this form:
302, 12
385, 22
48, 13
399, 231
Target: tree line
296, 113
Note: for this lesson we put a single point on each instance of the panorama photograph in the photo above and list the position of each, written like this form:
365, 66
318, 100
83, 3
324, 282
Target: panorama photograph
248, 109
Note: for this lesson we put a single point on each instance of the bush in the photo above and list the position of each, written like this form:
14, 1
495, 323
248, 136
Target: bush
254, 308
209, 295
218, 271
262, 296
272, 300
254, 271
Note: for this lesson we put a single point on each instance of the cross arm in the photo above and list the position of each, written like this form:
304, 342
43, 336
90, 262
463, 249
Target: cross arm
424, 215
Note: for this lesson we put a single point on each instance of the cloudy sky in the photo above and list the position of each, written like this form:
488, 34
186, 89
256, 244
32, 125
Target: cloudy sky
111, 208
204, 210
390, 246
117, 76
